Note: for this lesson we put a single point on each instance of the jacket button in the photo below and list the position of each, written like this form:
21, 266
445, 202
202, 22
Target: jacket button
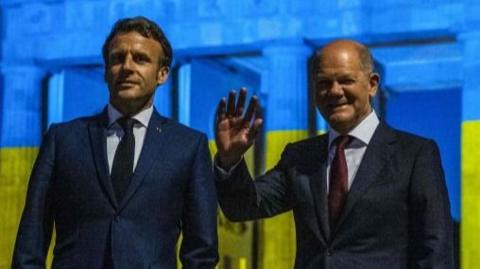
329, 253
116, 218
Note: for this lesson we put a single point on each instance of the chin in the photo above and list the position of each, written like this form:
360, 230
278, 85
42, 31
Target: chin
127, 94
340, 117
124, 98
339, 122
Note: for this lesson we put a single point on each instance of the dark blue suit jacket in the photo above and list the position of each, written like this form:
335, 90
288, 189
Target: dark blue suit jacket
171, 191
397, 213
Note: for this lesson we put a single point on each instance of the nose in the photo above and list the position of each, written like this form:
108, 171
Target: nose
336, 89
127, 63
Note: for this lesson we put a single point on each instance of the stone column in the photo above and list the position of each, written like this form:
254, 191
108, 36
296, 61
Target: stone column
184, 91
284, 97
470, 213
164, 97
20, 135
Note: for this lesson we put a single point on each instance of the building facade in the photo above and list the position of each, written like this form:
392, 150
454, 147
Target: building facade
426, 52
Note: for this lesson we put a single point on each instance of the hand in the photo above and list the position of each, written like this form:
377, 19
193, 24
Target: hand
234, 134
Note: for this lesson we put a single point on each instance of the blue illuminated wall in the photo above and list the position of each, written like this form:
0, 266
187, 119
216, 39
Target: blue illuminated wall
210, 81
51, 70
440, 120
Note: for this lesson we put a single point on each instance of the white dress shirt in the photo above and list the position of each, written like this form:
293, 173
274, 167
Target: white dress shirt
362, 134
115, 132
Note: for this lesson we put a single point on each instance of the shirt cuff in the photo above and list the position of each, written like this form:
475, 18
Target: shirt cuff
224, 174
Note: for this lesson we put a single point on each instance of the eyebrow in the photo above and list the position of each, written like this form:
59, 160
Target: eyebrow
321, 75
134, 52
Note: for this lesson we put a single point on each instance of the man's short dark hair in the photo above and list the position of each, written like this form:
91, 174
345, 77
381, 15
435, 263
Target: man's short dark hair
146, 28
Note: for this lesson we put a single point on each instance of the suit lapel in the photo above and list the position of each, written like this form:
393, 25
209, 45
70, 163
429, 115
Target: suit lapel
318, 184
376, 157
98, 141
153, 144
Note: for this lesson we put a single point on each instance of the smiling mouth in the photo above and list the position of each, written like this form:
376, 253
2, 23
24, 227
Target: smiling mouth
337, 106
126, 83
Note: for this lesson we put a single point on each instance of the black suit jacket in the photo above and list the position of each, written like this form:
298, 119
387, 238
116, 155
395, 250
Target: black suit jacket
171, 191
397, 212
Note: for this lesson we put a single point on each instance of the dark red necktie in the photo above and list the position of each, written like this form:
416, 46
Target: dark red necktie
338, 182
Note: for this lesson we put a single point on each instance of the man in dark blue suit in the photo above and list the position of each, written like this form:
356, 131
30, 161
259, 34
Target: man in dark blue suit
364, 195
121, 186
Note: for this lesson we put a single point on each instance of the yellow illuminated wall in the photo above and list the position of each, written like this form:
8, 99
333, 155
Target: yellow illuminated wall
235, 238
470, 240
277, 235
15, 168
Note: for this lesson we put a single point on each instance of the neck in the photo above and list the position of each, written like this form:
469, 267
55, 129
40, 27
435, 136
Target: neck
344, 129
131, 108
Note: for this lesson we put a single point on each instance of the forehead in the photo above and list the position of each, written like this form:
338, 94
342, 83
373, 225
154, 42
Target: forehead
338, 61
133, 41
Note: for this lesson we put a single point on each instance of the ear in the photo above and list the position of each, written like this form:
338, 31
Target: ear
162, 74
374, 81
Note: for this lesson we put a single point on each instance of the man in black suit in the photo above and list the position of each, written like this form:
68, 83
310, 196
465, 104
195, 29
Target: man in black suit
364, 195
120, 186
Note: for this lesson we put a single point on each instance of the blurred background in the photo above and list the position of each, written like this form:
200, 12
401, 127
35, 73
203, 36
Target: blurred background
427, 52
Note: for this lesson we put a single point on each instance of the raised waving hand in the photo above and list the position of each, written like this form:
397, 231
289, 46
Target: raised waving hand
235, 130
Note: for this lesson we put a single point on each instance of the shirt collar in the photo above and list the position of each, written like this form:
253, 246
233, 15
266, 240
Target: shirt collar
143, 117
363, 132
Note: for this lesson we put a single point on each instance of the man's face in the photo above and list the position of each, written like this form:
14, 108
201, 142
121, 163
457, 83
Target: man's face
133, 71
343, 88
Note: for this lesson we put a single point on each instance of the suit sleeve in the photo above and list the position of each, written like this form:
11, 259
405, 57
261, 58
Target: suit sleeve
242, 198
199, 221
36, 225
431, 234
